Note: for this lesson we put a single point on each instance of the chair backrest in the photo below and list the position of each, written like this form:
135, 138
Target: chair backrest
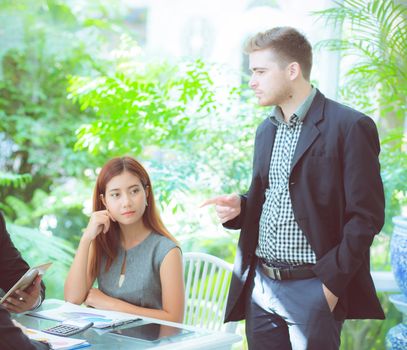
207, 280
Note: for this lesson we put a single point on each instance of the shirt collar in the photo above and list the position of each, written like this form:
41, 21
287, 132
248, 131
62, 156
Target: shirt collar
276, 115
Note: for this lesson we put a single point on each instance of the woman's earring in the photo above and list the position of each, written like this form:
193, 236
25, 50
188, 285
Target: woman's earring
146, 203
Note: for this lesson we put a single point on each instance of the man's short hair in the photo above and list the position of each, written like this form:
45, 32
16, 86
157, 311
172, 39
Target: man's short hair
288, 45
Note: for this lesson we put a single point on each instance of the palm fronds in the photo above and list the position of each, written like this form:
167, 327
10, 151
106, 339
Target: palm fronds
375, 37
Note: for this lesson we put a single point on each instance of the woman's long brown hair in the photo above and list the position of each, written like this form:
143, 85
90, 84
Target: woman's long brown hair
108, 244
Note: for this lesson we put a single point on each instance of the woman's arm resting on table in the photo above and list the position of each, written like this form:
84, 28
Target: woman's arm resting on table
79, 279
173, 294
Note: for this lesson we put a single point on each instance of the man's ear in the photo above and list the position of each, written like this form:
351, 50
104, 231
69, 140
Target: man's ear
294, 70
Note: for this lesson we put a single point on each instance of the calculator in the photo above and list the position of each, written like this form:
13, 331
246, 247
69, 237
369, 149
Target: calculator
69, 327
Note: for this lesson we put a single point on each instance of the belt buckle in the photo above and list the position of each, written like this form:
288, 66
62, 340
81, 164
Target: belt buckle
273, 272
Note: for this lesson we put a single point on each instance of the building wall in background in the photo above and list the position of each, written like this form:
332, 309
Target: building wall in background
216, 31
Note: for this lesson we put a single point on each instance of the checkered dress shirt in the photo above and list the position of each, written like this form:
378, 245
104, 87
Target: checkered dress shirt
280, 238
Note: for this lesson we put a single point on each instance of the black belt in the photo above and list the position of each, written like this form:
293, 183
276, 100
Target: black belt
288, 273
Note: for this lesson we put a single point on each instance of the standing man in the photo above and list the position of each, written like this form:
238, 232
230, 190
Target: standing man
314, 205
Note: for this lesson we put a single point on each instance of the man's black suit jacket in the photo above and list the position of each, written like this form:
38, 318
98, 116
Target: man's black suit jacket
338, 202
12, 265
12, 338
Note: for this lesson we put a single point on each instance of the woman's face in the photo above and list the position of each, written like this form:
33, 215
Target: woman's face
125, 198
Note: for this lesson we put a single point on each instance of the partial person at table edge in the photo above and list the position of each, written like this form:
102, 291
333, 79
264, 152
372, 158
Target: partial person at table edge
12, 268
13, 338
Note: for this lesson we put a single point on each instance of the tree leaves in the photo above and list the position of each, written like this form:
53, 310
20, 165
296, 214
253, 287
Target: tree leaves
150, 107
14, 180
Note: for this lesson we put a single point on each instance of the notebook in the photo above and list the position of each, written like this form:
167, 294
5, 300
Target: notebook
100, 318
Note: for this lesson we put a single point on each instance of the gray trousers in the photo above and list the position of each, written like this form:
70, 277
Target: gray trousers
289, 315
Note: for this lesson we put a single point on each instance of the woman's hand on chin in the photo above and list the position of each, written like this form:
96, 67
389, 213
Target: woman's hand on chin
99, 222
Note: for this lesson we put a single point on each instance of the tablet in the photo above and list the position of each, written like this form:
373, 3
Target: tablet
151, 332
27, 279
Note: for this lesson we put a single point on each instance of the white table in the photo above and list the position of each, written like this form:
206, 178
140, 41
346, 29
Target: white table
102, 339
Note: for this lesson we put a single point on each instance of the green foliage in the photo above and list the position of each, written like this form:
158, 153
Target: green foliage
14, 180
370, 334
380, 253
394, 165
43, 43
375, 36
60, 92
38, 248
172, 116
149, 104
59, 212
66, 107
375, 41
146, 112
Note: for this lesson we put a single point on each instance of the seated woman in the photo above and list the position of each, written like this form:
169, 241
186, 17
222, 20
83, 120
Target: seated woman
136, 261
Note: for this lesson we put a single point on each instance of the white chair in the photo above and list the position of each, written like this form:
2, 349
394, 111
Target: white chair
207, 280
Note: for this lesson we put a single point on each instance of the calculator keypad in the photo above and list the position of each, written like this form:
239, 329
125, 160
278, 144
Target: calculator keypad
62, 330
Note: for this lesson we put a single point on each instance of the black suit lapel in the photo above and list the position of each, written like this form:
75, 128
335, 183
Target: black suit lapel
309, 130
265, 147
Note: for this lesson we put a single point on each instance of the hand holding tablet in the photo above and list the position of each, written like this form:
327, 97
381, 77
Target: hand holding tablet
23, 284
